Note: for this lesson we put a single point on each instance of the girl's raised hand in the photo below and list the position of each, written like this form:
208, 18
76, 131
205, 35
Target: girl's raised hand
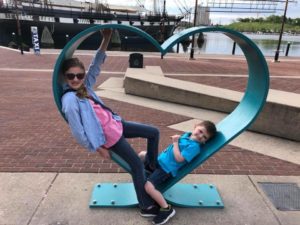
106, 33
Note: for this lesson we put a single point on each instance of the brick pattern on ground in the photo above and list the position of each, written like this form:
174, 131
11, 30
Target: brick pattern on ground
35, 138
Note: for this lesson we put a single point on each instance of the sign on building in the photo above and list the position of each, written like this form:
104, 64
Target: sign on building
35, 40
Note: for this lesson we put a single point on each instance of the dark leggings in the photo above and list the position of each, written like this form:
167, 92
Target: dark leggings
127, 153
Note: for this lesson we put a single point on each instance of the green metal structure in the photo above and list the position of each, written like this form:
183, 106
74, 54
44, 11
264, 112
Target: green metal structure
230, 127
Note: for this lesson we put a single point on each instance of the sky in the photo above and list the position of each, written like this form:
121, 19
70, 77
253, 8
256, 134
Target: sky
293, 10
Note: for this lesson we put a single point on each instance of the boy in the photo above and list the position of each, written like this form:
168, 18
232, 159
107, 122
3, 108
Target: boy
182, 150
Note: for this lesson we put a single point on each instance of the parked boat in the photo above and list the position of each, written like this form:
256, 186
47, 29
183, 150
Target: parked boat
58, 21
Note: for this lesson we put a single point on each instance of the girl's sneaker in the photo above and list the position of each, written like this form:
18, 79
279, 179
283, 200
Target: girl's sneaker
164, 215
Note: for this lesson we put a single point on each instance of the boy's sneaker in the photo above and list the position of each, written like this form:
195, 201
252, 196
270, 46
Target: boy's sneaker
164, 215
153, 211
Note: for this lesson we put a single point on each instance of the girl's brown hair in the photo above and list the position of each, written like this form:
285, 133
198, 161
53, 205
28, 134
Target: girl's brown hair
75, 62
72, 62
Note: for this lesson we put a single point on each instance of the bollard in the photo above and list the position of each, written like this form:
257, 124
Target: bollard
126, 38
67, 38
177, 50
287, 49
233, 48
13, 36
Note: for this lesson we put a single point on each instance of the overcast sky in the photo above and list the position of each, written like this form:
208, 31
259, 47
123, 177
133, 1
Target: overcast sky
223, 18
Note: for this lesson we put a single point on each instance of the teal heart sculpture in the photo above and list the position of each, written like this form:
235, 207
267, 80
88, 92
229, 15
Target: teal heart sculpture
231, 126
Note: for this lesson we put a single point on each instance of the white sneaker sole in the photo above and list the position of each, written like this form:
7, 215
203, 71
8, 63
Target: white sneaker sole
147, 215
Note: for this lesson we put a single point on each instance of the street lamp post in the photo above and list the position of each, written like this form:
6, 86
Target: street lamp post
18, 28
162, 28
193, 37
281, 31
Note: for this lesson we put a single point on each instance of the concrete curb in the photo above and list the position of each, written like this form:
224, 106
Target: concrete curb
280, 117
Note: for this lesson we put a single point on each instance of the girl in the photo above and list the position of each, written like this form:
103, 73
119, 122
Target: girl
97, 128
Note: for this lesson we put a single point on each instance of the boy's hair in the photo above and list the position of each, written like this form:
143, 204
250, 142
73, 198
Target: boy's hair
72, 62
209, 126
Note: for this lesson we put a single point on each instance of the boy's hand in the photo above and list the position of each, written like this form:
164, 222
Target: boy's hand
104, 153
175, 138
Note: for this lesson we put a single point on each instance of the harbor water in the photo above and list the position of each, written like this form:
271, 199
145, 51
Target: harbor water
217, 43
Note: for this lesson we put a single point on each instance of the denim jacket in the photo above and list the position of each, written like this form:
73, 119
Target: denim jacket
81, 117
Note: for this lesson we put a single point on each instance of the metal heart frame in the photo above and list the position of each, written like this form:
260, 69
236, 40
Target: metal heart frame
232, 125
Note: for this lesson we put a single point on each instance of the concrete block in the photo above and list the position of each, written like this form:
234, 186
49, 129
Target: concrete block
280, 116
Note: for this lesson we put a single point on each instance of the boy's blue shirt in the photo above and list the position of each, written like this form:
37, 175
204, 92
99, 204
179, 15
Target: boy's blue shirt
188, 148
79, 113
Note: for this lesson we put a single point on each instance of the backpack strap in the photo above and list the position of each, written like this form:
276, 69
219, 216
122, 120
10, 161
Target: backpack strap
94, 100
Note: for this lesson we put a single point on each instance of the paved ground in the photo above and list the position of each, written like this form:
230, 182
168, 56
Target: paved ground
34, 138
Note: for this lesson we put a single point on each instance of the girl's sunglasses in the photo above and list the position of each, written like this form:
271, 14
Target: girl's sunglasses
71, 76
